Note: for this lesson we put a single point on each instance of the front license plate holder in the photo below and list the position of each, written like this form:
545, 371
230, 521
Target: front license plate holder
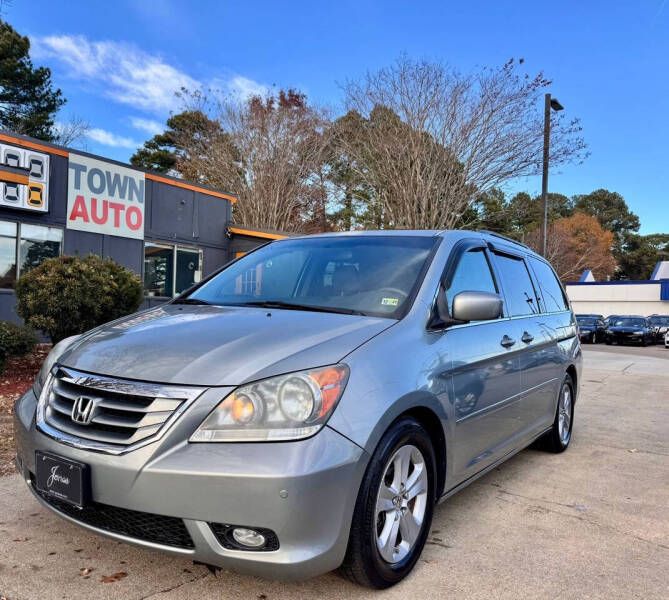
62, 478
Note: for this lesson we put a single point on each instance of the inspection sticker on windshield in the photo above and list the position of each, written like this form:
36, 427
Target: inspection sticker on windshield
389, 301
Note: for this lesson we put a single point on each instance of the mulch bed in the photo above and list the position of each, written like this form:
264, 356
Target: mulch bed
17, 376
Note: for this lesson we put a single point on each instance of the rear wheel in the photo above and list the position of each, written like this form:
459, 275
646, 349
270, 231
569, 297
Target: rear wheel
558, 438
394, 508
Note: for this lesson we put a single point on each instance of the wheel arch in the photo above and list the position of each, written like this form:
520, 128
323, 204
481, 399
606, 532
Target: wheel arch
432, 424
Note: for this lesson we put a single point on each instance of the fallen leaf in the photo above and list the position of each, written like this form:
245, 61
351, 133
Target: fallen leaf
113, 578
20, 539
84, 571
429, 561
633, 450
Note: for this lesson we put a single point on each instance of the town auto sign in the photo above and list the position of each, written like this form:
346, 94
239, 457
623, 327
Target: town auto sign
104, 198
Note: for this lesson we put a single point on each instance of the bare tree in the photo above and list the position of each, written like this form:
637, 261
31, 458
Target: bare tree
431, 139
72, 132
267, 151
282, 144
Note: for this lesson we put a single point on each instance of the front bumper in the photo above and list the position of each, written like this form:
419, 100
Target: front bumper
625, 338
303, 491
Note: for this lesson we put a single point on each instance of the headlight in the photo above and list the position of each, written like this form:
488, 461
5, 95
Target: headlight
287, 407
638, 333
50, 361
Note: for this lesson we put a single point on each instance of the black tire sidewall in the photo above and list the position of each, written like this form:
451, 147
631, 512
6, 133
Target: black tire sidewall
403, 432
557, 441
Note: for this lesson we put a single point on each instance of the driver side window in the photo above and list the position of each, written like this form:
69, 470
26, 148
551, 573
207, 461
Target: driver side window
472, 274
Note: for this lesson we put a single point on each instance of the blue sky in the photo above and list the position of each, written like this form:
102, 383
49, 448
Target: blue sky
118, 62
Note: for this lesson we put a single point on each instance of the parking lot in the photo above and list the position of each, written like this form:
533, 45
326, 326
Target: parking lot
592, 522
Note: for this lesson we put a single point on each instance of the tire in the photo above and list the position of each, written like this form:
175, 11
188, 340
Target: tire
556, 440
364, 562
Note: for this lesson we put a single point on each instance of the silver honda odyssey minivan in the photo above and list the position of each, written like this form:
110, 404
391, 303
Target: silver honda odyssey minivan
305, 407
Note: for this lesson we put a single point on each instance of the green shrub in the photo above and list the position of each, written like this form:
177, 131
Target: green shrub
15, 340
69, 295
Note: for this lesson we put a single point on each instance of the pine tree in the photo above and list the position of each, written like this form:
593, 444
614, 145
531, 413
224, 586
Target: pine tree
28, 100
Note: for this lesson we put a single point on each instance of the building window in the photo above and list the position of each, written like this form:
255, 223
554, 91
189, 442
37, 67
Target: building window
7, 254
37, 244
169, 270
32, 244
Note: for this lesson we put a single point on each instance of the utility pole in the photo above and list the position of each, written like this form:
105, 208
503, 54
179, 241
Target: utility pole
556, 106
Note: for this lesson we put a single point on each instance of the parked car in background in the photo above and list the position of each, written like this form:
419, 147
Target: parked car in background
592, 316
610, 319
306, 406
660, 326
630, 329
591, 328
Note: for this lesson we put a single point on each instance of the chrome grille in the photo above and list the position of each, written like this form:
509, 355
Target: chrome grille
125, 414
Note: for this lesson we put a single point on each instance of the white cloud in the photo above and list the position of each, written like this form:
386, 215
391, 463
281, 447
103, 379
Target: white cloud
127, 74
245, 87
107, 138
148, 125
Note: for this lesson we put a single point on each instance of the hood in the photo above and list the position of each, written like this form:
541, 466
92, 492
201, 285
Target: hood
218, 345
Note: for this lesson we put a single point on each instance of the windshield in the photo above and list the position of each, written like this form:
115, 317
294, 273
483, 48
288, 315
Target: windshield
629, 323
370, 275
659, 320
585, 321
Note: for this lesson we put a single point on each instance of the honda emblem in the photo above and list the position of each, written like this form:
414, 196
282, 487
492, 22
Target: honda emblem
82, 411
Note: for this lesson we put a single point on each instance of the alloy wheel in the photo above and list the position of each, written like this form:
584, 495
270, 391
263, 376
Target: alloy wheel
401, 504
565, 415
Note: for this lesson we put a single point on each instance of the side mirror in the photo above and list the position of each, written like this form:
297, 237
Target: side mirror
477, 306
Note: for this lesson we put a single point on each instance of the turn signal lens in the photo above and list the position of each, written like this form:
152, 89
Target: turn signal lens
286, 407
331, 382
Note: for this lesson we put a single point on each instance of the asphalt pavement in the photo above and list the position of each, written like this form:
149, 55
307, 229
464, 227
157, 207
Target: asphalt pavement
592, 522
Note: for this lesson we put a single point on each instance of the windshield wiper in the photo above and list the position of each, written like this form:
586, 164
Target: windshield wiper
309, 307
190, 301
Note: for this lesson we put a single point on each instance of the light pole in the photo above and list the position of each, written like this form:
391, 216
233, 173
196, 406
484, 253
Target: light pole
556, 106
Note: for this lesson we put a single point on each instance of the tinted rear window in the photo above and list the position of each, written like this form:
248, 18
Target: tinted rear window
518, 288
550, 289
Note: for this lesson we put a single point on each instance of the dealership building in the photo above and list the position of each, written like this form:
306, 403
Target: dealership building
645, 298
55, 200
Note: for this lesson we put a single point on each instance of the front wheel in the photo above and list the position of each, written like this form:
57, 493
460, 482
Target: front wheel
393, 511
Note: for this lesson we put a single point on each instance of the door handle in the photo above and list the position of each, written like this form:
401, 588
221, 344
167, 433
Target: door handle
507, 342
527, 338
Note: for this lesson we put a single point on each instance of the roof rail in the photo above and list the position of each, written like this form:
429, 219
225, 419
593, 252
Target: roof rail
506, 238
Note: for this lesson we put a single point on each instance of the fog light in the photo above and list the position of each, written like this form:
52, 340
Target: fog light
248, 537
